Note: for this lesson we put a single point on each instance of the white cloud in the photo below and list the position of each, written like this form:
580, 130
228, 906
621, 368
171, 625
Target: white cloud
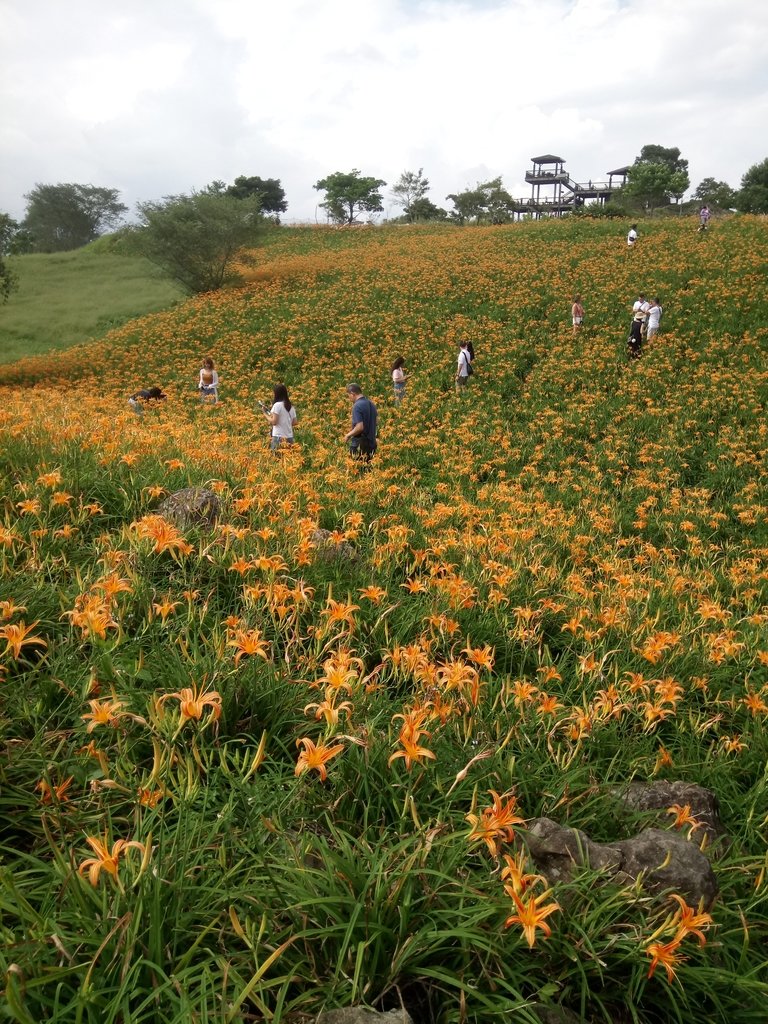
154, 97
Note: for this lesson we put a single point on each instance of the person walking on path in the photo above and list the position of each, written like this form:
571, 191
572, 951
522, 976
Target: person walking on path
399, 378
577, 314
654, 319
704, 218
208, 383
282, 417
463, 367
632, 236
361, 438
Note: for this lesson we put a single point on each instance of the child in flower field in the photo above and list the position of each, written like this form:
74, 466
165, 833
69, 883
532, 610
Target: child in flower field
577, 314
399, 378
209, 381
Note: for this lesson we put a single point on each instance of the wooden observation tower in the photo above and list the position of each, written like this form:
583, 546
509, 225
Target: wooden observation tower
561, 194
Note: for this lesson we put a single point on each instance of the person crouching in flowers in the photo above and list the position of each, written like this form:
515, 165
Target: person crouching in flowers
138, 398
399, 378
282, 417
208, 383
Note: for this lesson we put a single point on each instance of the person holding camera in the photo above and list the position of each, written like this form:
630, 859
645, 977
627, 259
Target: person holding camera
208, 384
282, 417
362, 437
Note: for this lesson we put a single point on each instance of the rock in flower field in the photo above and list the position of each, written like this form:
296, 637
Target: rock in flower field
244, 780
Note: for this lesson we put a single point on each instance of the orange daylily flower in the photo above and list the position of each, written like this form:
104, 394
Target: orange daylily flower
192, 703
106, 859
666, 954
17, 636
315, 756
49, 793
103, 712
688, 922
328, 709
248, 642
532, 915
494, 825
683, 817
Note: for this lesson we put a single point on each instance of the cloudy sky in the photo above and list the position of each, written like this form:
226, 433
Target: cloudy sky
157, 97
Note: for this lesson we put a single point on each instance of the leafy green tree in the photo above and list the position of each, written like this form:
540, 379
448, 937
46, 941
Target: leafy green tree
198, 239
425, 209
715, 193
8, 280
489, 200
753, 196
467, 205
62, 217
269, 191
348, 195
499, 204
410, 190
657, 176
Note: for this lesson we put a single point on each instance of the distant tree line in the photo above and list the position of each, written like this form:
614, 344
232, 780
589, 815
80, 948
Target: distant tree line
199, 238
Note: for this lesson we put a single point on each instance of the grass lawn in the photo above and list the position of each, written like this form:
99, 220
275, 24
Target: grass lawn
69, 297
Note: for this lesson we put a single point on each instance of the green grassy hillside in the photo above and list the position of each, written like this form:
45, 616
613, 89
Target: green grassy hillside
66, 298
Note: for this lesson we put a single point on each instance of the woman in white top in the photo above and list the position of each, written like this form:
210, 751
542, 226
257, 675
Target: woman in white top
654, 319
283, 418
209, 381
399, 378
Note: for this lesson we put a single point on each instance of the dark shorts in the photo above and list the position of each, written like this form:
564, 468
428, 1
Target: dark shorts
360, 448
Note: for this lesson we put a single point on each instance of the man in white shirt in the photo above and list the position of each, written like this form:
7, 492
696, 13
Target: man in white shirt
632, 236
654, 318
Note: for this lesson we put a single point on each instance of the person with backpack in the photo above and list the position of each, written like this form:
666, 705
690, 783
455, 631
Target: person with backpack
463, 366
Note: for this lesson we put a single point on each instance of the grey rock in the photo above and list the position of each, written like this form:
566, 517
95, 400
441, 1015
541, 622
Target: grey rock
194, 506
661, 795
556, 851
667, 860
362, 1015
328, 550
661, 859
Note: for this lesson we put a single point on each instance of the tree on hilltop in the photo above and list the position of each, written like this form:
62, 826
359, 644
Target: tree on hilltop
657, 176
753, 197
409, 192
489, 200
198, 239
8, 280
269, 192
715, 193
348, 195
425, 209
66, 216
